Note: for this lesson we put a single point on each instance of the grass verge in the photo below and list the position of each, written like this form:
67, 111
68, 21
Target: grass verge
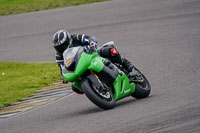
20, 80
8, 7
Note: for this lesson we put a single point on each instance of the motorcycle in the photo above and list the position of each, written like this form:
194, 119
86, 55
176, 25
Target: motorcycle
103, 82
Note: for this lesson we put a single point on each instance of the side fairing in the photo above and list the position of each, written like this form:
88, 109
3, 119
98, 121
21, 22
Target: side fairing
122, 87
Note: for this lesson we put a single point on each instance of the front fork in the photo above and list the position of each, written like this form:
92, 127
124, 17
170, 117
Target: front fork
92, 77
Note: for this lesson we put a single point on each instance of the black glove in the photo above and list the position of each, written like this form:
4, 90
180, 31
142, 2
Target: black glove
91, 47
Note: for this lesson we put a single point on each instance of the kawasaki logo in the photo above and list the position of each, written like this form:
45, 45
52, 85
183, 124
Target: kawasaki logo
126, 91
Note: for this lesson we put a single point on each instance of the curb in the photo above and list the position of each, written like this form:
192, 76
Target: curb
46, 95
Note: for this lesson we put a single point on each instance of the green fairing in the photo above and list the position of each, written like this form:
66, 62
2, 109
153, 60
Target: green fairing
122, 87
87, 61
96, 64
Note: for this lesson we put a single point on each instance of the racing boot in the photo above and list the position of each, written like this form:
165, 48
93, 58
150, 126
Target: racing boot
133, 73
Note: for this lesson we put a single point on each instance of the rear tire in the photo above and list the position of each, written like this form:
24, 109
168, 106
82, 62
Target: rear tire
142, 90
96, 98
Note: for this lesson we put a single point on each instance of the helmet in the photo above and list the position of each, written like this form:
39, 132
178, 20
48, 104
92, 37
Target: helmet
61, 40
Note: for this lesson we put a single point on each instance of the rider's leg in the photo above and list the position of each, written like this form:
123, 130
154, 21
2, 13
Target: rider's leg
115, 57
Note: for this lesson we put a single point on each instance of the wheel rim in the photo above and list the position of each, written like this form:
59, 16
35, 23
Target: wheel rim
143, 85
105, 95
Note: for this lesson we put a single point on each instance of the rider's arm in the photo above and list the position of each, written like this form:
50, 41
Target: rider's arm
60, 61
83, 39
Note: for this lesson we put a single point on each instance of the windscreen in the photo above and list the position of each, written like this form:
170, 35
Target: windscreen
69, 55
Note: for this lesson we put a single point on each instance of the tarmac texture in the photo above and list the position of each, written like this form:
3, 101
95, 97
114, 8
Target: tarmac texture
160, 37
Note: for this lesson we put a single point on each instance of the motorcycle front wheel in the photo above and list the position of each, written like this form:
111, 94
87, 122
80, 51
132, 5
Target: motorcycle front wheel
103, 100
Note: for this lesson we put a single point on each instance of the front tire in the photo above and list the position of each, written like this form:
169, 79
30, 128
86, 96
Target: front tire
142, 89
97, 99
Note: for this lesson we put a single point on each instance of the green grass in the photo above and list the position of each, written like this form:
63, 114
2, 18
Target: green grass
20, 80
8, 7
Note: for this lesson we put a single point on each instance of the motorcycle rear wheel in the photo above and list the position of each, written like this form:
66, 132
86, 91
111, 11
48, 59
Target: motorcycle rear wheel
142, 89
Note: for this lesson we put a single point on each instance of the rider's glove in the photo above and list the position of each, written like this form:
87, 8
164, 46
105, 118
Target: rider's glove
91, 47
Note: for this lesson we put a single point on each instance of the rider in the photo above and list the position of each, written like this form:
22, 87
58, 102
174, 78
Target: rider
62, 40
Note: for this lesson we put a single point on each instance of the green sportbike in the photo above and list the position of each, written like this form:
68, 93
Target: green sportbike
103, 82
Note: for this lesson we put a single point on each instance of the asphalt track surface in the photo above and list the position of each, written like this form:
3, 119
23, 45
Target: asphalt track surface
161, 37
